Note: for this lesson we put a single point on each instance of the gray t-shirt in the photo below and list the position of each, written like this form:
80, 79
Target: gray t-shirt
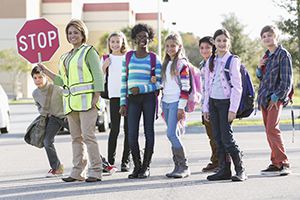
56, 101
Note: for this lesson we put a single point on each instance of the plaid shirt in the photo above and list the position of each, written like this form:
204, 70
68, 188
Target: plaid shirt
277, 79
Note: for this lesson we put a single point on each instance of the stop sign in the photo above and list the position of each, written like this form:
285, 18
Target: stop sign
37, 40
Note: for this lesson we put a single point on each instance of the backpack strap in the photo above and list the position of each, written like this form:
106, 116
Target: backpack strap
227, 70
152, 63
105, 56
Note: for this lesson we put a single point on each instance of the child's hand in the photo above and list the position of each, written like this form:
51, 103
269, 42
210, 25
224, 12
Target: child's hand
180, 114
262, 62
153, 79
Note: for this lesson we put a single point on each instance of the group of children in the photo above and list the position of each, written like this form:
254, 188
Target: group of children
135, 78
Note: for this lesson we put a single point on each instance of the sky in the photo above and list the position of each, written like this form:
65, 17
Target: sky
204, 17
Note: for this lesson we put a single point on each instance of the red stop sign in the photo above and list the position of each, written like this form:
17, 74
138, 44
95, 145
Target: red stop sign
37, 40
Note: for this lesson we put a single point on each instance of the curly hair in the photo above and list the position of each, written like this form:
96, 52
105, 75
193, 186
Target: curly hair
142, 27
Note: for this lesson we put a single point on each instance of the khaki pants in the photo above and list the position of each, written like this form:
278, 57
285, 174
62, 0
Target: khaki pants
84, 142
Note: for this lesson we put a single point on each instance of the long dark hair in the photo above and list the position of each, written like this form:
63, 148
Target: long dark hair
213, 55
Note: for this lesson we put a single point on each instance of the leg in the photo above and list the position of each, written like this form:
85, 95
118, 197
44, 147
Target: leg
148, 109
126, 150
115, 118
134, 115
79, 155
51, 130
87, 125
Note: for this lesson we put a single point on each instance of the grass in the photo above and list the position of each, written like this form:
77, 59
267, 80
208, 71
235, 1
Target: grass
246, 122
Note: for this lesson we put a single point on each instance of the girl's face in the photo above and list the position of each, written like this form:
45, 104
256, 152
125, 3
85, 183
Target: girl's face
75, 37
172, 48
269, 39
222, 44
115, 44
142, 39
39, 80
205, 50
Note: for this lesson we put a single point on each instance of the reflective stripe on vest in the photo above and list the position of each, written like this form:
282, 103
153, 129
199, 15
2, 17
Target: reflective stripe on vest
78, 89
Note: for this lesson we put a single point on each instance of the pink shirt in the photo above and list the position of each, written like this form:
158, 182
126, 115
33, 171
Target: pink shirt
234, 93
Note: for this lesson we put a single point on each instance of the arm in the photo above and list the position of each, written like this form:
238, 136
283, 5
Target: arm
185, 86
47, 71
93, 62
236, 81
123, 85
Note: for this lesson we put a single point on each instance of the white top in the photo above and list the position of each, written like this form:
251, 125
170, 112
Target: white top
217, 88
114, 75
171, 88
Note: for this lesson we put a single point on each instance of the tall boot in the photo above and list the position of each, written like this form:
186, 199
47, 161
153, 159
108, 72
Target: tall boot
137, 166
224, 172
183, 169
238, 166
145, 170
171, 174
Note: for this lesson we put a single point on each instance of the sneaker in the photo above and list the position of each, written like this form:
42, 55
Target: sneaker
125, 167
285, 170
55, 172
210, 168
111, 169
272, 170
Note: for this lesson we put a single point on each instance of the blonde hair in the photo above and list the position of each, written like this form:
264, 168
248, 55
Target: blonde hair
124, 46
180, 54
79, 25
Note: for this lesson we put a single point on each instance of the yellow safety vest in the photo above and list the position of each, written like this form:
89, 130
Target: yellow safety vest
78, 81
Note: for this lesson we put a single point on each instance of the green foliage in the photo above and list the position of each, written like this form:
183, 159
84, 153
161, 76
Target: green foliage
190, 42
248, 50
291, 27
11, 61
102, 45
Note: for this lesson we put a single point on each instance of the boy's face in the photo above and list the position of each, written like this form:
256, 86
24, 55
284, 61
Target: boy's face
39, 80
205, 50
269, 39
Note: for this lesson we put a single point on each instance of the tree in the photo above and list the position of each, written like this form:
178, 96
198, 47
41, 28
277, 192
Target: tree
190, 43
10, 61
248, 50
291, 27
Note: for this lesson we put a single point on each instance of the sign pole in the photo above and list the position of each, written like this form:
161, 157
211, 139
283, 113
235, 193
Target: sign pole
39, 57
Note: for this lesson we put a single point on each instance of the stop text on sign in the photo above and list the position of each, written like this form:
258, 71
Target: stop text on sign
41, 39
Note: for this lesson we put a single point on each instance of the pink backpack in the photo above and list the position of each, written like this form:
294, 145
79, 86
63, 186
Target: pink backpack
195, 90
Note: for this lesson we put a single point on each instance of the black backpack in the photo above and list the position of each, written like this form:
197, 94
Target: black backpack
246, 106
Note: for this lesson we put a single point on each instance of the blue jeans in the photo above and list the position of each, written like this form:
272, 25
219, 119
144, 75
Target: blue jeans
222, 130
170, 113
138, 104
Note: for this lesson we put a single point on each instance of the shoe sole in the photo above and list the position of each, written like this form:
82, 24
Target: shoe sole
54, 176
270, 173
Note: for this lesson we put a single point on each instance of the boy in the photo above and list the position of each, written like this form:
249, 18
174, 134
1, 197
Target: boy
275, 75
55, 117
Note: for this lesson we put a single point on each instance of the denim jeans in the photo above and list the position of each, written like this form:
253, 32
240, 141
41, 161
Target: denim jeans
138, 104
170, 113
54, 124
222, 130
115, 119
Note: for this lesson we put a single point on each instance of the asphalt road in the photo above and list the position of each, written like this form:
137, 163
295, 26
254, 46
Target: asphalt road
23, 167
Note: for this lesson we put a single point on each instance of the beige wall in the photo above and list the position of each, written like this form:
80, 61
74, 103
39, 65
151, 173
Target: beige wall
13, 9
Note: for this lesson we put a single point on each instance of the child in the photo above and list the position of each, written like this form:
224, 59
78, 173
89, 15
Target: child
55, 117
221, 103
205, 50
275, 74
176, 85
117, 45
138, 95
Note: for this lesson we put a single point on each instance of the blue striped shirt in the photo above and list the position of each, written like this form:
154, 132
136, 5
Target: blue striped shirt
139, 75
277, 81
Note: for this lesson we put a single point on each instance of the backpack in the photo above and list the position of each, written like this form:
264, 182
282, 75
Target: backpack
104, 94
194, 97
246, 106
152, 73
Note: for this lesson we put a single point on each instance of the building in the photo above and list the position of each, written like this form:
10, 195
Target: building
100, 18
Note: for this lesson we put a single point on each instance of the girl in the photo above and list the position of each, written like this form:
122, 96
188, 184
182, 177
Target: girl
138, 94
205, 50
117, 45
221, 103
176, 85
